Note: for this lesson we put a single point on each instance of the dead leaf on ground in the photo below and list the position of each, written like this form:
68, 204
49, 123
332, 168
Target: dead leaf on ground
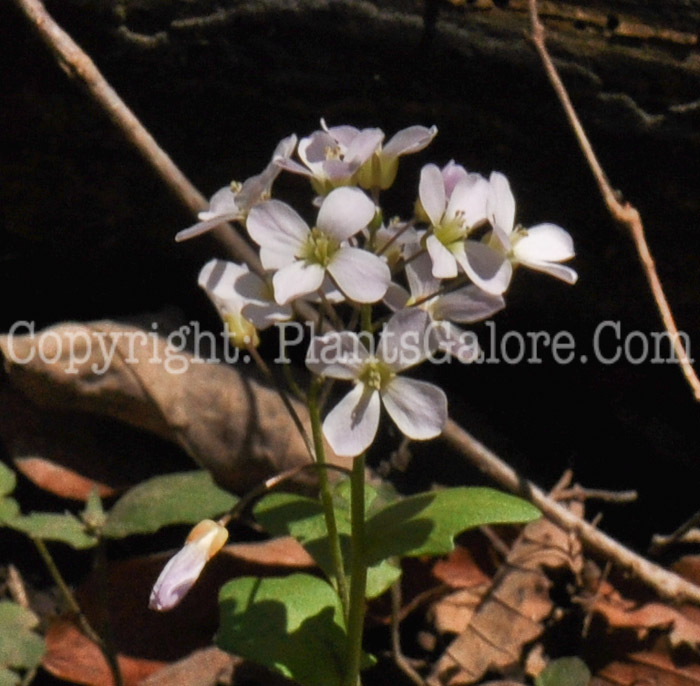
228, 423
621, 613
654, 668
73, 657
511, 613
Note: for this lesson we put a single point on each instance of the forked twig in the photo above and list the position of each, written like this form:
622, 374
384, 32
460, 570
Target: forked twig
666, 584
622, 212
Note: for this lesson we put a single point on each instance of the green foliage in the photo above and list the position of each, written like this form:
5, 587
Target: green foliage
48, 526
20, 648
184, 498
566, 671
426, 524
292, 624
286, 514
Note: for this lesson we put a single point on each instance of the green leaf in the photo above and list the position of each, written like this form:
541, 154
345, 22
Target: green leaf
292, 625
426, 524
8, 480
566, 671
184, 498
287, 514
49, 526
94, 515
20, 648
9, 508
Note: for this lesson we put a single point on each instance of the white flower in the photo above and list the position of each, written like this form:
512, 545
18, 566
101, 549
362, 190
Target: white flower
304, 256
182, 570
379, 171
232, 203
465, 305
452, 218
332, 156
244, 300
540, 247
418, 408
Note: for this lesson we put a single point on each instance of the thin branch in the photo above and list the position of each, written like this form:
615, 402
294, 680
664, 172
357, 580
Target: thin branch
665, 583
622, 212
78, 65
399, 658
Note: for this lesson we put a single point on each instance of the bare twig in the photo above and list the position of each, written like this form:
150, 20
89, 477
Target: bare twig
78, 65
622, 212
680, 535
577, 492
666, 584
399, 658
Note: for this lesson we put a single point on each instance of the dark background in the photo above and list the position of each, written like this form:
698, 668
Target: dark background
87, 227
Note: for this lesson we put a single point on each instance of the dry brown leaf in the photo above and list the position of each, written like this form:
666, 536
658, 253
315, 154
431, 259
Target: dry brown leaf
205, 667
460, 570
621, 613
72, 657
648, 668
228, 423
510, 615
277, 552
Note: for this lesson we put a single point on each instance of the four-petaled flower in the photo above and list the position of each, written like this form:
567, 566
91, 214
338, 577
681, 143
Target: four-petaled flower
540, 247
233, 202
303, 256
418, 408
182, 570
454, 212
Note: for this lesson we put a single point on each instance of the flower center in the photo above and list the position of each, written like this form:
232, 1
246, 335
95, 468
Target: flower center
319, 248
452, 230
376, 374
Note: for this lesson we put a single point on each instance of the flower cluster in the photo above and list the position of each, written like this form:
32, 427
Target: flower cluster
392, 292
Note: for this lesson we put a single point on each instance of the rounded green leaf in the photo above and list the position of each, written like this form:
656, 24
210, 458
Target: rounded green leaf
183, 498
566, 671
291, 624
426, 524
8, 480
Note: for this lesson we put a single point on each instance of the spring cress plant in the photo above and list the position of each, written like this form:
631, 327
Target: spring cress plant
392, 292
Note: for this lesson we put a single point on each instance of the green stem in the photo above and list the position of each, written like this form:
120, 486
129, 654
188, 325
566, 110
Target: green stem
327, 499
73, 606
358, 575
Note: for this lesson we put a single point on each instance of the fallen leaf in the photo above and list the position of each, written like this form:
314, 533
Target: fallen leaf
648, 667
682, 625
510, 614
73, 657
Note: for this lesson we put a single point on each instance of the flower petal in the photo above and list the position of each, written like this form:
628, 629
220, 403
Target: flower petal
467, 305
501, 203
419, 273
222, 202
351, 425
202, 227
410, 140
217, 278
275, 226
488, 269
460, 344
183, 569
344, 212
452, 174
395, 297
431, 191
559, 271
544, 243
418, 408
361, 275
404, 342
363, 146
296, 279
444, 264
469, 200
339, 354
